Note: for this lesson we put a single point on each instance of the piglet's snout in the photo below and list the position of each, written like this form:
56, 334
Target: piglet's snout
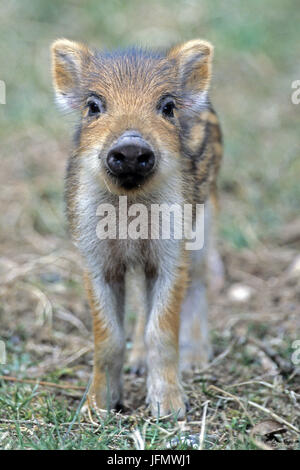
131, 155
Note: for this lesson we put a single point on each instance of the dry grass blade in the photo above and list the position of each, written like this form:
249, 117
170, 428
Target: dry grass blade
274, 416
203, 423
43, 383
139, 443
219, 358
282, 365
233, 397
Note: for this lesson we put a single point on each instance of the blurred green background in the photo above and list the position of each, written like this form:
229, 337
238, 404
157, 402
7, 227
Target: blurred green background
256, 60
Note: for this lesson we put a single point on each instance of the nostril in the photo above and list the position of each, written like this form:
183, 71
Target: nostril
118, 157
145, 161
115, 161
143, 158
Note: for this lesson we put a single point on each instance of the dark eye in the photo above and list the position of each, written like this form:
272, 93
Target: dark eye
95, 106
167, 108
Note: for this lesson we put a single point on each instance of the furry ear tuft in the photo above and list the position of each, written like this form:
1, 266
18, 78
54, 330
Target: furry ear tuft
193, 59
68, 58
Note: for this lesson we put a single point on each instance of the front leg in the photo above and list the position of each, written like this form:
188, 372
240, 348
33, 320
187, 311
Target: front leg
165, 393
106, 303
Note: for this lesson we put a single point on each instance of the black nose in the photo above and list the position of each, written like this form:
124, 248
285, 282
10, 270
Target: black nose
132, 155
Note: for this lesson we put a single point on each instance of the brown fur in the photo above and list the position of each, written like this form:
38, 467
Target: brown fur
130, 87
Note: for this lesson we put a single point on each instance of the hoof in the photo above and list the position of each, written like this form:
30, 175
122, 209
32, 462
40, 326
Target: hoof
119, 407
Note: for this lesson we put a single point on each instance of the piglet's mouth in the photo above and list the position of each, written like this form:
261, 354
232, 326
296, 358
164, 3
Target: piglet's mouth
129, 181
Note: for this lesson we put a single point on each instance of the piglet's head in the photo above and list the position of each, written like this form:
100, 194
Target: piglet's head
133, 107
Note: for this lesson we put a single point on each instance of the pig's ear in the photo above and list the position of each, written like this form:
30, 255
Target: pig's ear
193, 60
68, 60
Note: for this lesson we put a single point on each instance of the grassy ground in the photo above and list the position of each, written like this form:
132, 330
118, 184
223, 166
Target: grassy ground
252, 385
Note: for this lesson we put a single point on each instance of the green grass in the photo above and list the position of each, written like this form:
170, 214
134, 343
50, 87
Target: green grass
39, 417
39, 420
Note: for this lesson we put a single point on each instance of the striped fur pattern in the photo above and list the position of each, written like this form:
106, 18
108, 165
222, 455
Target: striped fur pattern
129, 88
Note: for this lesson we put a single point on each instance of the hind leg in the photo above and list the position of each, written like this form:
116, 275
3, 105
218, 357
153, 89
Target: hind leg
195, 348
136, 303
137, 357
216, 272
